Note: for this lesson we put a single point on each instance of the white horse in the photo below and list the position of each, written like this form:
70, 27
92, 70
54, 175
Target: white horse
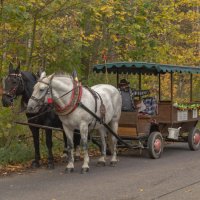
66, 93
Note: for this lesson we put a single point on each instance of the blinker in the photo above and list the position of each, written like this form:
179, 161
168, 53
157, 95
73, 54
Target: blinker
49, 100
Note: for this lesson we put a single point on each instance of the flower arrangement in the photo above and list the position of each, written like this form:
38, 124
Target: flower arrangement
185, 106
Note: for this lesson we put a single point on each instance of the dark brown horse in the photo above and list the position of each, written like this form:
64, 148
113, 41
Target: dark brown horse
21, 83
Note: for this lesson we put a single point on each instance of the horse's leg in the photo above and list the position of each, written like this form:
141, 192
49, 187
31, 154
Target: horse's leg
114, 126
84, 139
70, 149
77, 138
35, 134
102, 160
65, 146
49, 144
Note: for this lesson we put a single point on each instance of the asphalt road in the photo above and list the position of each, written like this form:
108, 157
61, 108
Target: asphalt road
175, 176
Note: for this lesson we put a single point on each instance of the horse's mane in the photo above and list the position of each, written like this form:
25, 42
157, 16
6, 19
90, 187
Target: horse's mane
30, 80
29, 76
62, 74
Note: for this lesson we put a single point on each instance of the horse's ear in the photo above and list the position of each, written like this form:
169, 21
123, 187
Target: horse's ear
39, 72
43, 75
10, 68
17, 71
74, 75
41, 69
51, 76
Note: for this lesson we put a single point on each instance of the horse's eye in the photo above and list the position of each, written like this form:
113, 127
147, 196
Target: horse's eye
41, 89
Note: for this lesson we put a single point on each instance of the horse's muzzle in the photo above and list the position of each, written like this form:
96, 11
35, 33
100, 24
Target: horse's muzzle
32, 110
7, 101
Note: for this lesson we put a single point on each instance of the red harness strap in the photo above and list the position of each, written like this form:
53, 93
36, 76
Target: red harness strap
73, 102
79, 98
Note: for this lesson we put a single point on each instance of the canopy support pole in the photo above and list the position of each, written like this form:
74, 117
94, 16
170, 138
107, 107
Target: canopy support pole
159, 89
172, 92
191, 86
117, 79
140, 84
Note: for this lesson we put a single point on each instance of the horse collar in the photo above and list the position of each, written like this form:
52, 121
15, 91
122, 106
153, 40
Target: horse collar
76, 94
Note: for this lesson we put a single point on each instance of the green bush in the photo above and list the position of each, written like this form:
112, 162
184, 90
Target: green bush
15, 153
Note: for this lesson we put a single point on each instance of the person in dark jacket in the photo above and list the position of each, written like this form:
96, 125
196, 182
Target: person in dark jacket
128, 95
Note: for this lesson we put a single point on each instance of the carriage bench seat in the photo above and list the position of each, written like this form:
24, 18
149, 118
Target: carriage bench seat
133, 124
128, 124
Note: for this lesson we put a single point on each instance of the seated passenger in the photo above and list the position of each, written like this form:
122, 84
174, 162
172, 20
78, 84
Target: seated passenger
148, 106
128, 95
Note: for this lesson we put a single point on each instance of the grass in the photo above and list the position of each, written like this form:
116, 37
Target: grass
20, 148
15, 153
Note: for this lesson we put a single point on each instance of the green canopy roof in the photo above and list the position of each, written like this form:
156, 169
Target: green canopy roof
143, 68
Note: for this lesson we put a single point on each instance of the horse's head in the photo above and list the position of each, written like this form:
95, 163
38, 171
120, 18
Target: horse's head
40, 94
13, 85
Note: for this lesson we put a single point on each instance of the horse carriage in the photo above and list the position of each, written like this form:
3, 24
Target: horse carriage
171, 121
99, 107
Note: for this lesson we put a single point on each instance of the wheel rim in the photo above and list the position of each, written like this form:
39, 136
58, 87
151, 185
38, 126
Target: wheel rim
196, 138
157, 145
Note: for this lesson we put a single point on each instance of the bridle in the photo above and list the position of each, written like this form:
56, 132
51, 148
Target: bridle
41, 100
13, 91
74, 100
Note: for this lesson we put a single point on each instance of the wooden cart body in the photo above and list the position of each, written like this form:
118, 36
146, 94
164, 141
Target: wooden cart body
133, 126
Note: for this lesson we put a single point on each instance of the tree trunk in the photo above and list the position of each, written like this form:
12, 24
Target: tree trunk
32, 43
85, 62
2, 39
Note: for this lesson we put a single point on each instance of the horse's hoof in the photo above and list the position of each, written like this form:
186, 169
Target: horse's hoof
35, 164
101, 163
69, 170
113, 163
84, 170
50, 166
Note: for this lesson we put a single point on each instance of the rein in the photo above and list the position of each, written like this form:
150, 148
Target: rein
40, 114
65, 94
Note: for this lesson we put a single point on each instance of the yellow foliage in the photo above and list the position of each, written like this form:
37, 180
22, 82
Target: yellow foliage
107, 10
114, 38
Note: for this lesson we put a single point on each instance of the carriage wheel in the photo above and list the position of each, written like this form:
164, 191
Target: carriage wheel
155, 145
194, 139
